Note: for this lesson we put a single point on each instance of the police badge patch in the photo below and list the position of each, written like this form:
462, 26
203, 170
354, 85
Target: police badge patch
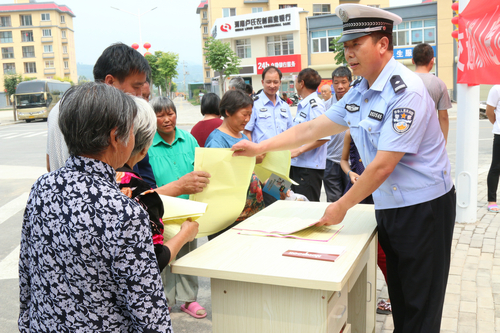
402, 118
352, 107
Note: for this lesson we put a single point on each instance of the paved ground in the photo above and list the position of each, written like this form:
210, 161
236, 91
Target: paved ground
473, 295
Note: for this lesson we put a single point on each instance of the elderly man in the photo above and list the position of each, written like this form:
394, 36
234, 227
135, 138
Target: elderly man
89, 263
237, 82
393, 123
326, 94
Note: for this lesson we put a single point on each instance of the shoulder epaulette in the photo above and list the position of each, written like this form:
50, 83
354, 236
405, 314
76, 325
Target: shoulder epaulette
256, 97
283, 99
313, 103
397, 83
355, 82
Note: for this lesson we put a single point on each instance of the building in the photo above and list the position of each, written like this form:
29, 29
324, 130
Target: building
36, 41
264, 43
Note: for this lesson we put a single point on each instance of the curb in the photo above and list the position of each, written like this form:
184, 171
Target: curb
11, 122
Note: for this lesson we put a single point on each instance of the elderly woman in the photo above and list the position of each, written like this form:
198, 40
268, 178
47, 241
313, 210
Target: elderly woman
87, 261
132, 185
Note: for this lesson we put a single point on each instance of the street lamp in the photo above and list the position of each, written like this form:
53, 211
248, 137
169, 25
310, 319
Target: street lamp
139, 17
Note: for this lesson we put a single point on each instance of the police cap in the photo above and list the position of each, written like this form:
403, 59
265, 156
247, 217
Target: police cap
361, 20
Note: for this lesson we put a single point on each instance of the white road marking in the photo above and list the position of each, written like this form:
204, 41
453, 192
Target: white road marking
39, 133
9, 266
16, 135
6, 134
21, 172
12, 207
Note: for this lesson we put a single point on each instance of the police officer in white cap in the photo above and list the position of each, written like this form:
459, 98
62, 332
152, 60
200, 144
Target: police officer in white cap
393, 123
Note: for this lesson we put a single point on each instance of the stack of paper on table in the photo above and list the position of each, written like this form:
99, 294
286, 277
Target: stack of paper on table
176, 210
295, 222
315, 251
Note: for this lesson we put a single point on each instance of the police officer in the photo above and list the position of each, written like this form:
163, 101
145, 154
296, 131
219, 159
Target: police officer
309, 160
270, 114
392, 121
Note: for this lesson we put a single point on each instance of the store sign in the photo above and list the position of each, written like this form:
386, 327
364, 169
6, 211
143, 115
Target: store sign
286, 64
407, 53
269, 22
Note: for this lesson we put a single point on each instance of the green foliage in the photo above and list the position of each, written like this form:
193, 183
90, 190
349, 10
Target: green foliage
10, 83
82, 79
338, 49
221, 58
66, 79
173, 88
163, 68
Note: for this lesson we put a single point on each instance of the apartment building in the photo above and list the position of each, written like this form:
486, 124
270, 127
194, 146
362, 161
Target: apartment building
36, 41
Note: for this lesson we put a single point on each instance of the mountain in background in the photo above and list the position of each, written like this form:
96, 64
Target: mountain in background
195, 73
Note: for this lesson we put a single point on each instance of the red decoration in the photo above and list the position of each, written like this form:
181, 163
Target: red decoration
147, 53
147, 46
135, 46
454, 6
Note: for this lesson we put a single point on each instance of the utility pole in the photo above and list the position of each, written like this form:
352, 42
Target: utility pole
185, 73
139, 17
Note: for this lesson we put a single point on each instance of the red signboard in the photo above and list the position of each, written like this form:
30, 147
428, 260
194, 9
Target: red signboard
286, 64
479, 43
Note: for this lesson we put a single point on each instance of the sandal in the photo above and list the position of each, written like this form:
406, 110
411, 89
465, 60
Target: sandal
384, 307
493, 208
192, 310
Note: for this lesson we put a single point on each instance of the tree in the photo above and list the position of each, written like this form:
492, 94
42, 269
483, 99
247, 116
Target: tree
221, 58
338, 49
163, 68
82, 79
10, 83
66, 79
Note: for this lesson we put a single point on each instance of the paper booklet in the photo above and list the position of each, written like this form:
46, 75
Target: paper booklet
317, 234
315, 251
277, 185
176, 210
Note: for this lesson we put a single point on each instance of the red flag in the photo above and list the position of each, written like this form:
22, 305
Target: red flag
479, 43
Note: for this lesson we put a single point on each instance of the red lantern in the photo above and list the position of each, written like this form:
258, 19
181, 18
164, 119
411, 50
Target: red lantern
147, 53
135, 46
147, 46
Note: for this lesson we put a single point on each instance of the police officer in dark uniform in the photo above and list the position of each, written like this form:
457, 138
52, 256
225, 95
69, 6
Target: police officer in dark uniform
393, 124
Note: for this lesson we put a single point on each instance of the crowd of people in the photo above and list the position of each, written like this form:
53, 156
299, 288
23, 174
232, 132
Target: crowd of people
93, 256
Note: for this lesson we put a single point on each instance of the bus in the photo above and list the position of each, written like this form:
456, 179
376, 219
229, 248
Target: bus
34, 99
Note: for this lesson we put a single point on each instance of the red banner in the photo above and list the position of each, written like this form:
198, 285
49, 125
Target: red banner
479, 43
323, 82
286, 64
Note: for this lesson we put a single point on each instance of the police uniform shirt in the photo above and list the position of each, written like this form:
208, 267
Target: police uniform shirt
397, 114
310, 108
268, 120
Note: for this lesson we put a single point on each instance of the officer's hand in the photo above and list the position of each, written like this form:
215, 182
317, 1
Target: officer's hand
295, 152
334, 214
246, 148
194, 182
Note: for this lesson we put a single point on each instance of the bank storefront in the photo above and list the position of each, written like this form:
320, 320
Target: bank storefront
264, 39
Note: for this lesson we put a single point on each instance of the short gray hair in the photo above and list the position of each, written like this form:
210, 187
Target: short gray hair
144, 125
238, 83
89, 112
161, 103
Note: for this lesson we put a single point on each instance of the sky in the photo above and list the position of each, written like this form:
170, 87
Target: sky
172, 26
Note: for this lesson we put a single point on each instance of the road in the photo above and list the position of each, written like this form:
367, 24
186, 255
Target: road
22, 151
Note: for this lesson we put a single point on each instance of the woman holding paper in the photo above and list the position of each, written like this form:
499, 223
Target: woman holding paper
236, 108
133, 186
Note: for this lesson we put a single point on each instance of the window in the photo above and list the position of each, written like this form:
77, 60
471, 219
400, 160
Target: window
5, 21
47, 48
7, 52
286, 6
321, 9
204, 14
65, 49
226, 12
205, 30
280, 45
28, 51
25, 19
243, 49
207, 73
49, 64
9, 68
46, 33
63, 34
45, 16
320, 40
63, 19
30, 67
414, 32
257, 10
6, 37
27, 35
66, 64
